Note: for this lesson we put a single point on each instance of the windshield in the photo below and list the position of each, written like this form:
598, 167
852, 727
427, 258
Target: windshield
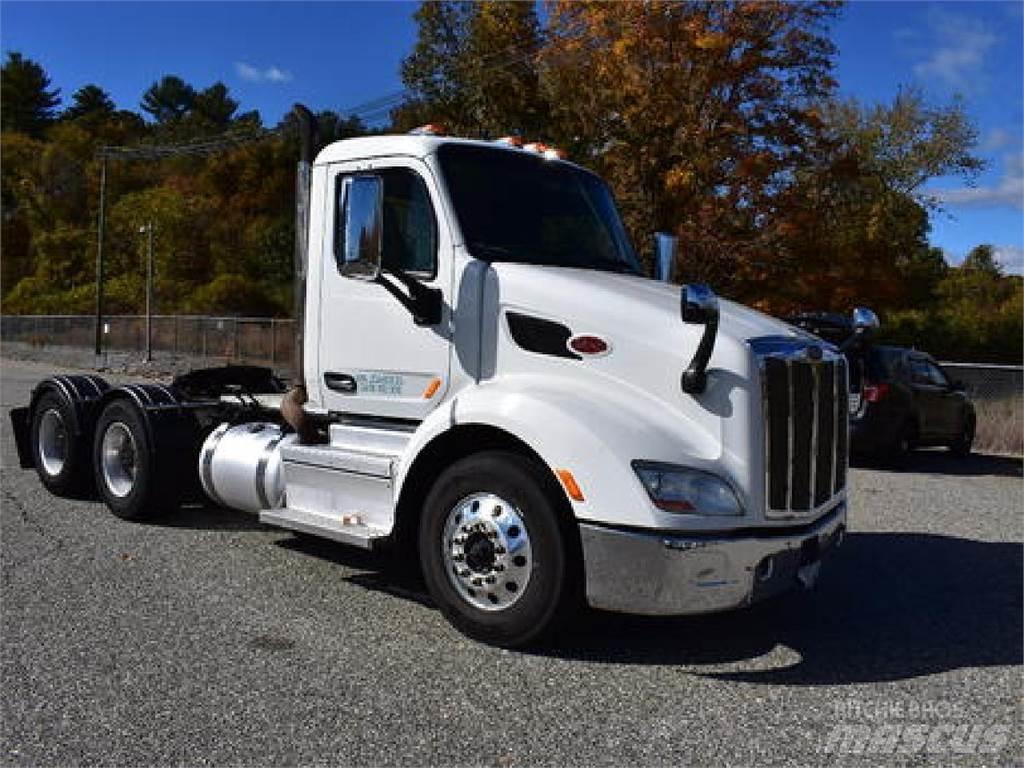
517, 206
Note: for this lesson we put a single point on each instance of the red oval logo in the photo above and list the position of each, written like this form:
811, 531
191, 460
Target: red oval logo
588, 345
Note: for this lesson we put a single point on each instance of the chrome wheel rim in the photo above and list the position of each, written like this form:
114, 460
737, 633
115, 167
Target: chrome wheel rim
119, 459
486, 552
53, 442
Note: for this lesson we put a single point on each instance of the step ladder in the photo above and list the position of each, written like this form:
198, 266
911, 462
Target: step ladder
343, 491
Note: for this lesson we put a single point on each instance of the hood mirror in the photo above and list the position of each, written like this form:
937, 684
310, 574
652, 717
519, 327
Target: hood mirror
665, 248
699, 305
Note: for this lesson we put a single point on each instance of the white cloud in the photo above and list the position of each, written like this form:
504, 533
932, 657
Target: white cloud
961, 47
1010, 258
1008, 190
998, 138
253, 74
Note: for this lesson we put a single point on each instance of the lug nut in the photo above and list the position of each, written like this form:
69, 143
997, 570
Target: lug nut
499, 550
492, 534
496, 511
464, 572
491, 579
499, 567
477, 581
458, 558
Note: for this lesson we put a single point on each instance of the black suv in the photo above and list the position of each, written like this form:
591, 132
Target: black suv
901, 399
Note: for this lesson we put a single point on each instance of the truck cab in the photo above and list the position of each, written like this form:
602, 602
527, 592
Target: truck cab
490, 380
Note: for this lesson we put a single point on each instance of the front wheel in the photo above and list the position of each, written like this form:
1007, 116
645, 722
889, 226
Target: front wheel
962, 445
493, 544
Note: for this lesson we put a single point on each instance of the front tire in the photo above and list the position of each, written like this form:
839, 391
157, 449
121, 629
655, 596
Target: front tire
961, 447
123, 464
494, 544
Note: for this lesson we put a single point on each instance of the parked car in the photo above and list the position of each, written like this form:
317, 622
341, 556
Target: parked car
901, 399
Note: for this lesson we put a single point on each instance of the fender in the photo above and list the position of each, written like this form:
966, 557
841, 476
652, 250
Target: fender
81, 393
595, 435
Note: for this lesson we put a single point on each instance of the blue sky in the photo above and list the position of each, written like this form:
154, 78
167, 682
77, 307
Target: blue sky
337, 55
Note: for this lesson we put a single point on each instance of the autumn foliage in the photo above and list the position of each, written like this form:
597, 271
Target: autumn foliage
719, 122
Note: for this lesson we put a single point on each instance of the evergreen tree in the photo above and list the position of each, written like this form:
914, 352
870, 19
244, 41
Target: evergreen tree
90, 101
169, 100
27, 104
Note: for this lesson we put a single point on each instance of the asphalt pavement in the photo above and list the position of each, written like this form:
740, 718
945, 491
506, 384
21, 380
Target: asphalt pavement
210, 639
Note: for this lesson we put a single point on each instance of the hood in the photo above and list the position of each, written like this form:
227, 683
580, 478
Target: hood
622, 305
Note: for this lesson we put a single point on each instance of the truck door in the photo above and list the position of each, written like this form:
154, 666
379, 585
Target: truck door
373, 359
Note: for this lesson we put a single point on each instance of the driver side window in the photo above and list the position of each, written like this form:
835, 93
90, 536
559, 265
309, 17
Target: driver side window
409, 236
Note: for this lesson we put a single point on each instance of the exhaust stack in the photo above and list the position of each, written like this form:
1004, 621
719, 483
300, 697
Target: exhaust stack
291, 405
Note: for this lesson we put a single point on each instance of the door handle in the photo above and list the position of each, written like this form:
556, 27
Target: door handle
340, 382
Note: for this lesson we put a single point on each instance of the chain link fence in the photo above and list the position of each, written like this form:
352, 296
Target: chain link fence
998, 395
256, 340
997, 390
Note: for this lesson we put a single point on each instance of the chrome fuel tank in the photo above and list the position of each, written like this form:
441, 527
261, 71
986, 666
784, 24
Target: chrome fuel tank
240, 466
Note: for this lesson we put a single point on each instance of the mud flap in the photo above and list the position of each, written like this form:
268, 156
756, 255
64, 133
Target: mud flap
21, 425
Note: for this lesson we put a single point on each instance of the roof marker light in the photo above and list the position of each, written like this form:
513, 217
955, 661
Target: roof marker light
536, 146
430, 129
553, 153
511, 141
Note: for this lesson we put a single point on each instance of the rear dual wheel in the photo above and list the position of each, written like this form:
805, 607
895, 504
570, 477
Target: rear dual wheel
494, 547
61, 461
124, 466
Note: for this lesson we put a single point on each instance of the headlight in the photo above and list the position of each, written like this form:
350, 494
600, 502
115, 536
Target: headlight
681, 489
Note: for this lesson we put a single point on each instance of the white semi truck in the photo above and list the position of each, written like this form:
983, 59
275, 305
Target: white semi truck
487, 382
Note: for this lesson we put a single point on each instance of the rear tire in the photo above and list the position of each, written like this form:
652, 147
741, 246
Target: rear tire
494, 548
123, 464
60, 459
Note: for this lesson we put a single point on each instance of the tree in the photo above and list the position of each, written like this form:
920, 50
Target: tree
168, 100
27, 104
212, 109
907, 142
90, 101
697, 112
433, 72
982, 258
853, 227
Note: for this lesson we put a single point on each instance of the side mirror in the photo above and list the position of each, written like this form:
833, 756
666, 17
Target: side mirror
665, 246
864, 319
362, 208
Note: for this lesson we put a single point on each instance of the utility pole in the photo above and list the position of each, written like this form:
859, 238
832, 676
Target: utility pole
148, 229
99, 256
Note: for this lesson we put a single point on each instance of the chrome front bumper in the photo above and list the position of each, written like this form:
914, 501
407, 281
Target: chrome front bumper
658, 573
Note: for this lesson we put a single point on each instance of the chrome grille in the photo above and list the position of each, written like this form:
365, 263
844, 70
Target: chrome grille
805, 403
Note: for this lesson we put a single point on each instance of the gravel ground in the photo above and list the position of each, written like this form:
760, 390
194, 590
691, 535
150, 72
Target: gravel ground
210, 639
